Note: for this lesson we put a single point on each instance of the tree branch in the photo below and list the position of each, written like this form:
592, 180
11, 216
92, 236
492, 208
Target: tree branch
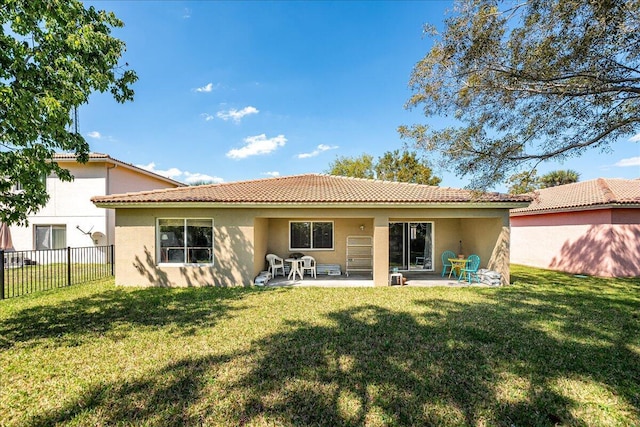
569, 147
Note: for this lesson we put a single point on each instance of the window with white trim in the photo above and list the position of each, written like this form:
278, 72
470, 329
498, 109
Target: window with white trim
185, 240
17, 186
51, 236
311, 235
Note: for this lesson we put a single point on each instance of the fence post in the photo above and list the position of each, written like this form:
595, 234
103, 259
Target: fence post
112, 260
68, 265
1, 273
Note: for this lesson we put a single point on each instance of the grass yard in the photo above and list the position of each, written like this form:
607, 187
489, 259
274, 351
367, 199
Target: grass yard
35, 278
552, 349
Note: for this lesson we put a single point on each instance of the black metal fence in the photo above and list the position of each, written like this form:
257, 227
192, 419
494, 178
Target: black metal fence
25, 272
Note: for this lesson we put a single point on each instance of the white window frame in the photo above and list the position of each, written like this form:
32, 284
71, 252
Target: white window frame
311, 222
51, 228
179, 264
17, 186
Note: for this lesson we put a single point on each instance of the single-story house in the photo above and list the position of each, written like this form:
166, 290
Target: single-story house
219, 234
590, 227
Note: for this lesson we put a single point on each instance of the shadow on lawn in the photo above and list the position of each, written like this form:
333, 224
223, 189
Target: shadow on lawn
83, 318
439, 363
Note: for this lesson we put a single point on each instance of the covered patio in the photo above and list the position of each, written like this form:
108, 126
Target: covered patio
365, 245
414, 279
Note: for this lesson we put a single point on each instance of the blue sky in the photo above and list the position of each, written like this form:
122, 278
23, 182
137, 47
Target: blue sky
230, 91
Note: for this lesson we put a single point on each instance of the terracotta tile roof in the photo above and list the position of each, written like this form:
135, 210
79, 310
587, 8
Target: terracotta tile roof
72, 156
107, 158
587, 194
311, 189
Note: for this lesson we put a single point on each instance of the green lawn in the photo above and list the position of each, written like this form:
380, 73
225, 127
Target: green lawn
550, 349
35, 278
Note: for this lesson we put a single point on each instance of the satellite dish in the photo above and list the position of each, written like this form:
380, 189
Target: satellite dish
97, 236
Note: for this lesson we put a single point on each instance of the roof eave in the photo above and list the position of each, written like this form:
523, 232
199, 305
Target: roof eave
350, 205
577, 209
119, 163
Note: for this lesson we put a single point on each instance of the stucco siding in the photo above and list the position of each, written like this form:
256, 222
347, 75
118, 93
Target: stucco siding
586, 217
261, 240
136, 258
123, 180
242, 238
625, 216
607, 250
342, 227
69, 205
538, 246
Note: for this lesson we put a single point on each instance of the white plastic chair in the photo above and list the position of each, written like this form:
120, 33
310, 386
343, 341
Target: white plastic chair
309, 263
275, 263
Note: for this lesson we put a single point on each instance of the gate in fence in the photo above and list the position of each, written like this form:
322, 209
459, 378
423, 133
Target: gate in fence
25, 272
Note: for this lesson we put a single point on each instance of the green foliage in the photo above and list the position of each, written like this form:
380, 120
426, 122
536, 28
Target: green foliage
523, 182
53, 55
355, 167
201, 182
528, 181
404, 167
559, 177
391, 166
527, 82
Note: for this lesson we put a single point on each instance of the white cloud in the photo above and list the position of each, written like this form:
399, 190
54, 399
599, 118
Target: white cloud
206, 88
272, 173
257, 145
237, 115
321, 148
635, 138
207, 117
631, 161
190, 178
187, 13
182, 176
94, 134
172, 173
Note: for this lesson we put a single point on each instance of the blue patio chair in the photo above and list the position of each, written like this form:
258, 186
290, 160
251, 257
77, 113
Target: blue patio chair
471, 270
445, 261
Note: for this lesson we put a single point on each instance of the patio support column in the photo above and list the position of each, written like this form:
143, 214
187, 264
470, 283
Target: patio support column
499, 260
381, 250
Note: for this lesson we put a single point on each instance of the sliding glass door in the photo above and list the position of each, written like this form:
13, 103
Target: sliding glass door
411, 245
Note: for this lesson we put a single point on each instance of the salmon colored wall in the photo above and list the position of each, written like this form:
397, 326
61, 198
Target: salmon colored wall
123, 180
625, 216
598, 249
598, 216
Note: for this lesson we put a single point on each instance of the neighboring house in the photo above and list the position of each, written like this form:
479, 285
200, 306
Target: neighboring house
590, 227
69, 218
231, 227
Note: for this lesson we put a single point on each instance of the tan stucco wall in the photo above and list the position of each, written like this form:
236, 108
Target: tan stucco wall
136, 249
261, 241
342, 227
244, 236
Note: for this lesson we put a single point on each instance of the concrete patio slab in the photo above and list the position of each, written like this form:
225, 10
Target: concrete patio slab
413, 280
